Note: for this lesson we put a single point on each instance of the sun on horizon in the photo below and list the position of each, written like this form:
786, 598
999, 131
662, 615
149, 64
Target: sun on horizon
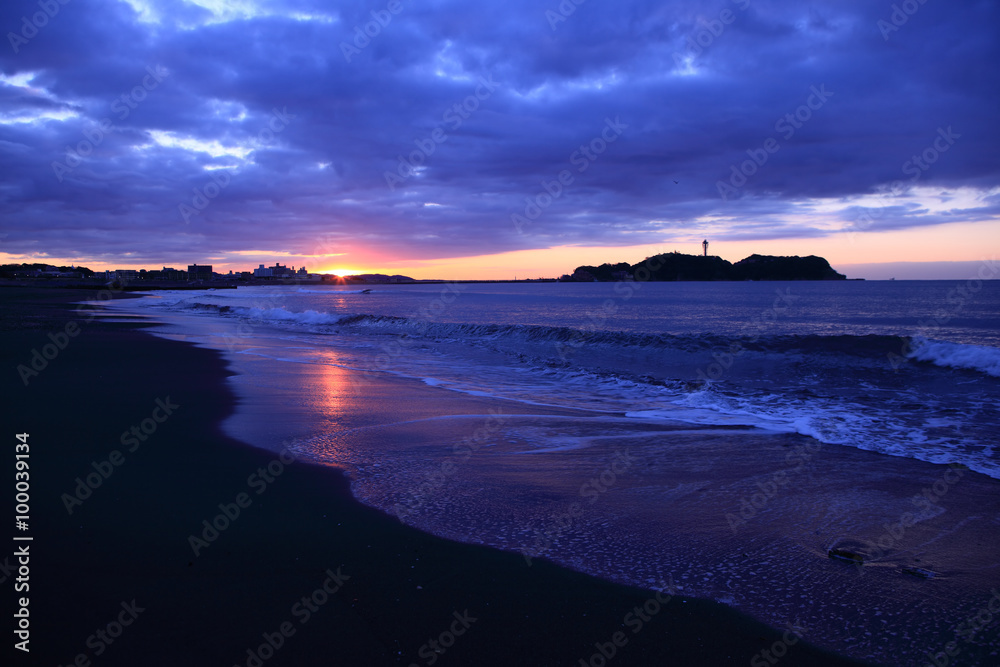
342, 271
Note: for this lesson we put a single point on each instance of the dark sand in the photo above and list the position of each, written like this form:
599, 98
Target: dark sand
129, 540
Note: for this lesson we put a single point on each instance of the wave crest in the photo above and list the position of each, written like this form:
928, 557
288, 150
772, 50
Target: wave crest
955, 355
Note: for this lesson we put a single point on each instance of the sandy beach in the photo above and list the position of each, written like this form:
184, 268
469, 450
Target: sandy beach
195, 548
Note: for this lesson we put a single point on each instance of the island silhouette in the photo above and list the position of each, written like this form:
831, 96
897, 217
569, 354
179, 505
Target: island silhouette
675, 266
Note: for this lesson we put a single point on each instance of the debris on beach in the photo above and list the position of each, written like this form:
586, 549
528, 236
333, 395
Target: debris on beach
919, 572
845, 555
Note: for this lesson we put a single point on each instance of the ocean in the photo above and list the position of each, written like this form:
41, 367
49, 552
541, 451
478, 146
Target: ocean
716, 438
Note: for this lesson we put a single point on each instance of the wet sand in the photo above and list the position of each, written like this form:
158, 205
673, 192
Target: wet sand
731, 515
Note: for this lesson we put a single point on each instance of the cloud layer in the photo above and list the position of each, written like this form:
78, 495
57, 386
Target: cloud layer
157, 131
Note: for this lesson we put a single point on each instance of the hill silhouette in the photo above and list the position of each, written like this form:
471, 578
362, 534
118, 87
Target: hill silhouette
675, 266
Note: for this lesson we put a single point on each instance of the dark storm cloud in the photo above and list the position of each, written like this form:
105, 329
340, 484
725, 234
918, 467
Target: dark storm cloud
494, 101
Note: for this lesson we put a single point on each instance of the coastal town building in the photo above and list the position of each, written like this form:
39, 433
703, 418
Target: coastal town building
195, 277
199, 272
170, 273
276, 271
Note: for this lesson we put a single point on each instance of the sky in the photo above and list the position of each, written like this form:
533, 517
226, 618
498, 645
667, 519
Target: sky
453, 140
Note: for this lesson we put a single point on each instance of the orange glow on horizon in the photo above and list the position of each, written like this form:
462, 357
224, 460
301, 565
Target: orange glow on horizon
342, 272
956, 242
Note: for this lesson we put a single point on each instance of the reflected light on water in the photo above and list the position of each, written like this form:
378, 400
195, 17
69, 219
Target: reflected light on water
333, 396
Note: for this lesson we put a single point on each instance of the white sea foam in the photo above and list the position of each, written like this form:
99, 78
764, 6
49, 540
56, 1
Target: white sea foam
281, 314
840, 389
954, 355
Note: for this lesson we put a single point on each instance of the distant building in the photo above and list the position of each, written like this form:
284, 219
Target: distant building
121, 276
170, 273
49, 271
276, 271
199, 272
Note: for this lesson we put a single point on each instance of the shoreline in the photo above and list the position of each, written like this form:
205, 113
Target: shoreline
130, 539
